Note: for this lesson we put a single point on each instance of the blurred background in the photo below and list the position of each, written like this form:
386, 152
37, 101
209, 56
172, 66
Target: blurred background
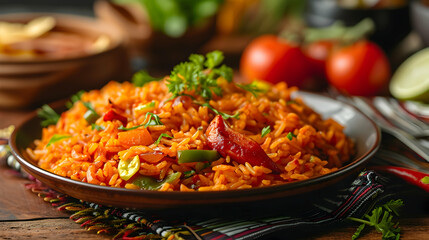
156, 35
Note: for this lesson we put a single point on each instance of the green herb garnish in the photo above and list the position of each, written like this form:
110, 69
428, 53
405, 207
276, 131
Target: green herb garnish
161, 136
91, 115
254, 88
224, 115
200, 75
145, 106
57, 137
290, 135
425, 180
49, 115
188, 174
381, 218
153, 120
265, 131
142, 77
74, 98
97, 127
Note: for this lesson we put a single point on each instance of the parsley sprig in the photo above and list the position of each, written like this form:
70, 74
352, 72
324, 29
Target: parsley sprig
200, 75
152, 120
381, 218
49, 115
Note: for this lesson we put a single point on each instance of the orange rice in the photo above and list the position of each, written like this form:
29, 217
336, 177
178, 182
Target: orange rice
317, 148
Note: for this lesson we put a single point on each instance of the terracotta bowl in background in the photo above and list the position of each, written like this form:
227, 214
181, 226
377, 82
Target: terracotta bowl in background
31, 81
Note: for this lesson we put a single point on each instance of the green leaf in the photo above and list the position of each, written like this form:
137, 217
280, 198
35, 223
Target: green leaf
145, 106
425, 180
290, 135
57, 137
381, 218
150, 183
74, 98
142, 77
265, 131
152, 120
97, 127
224, 115
213, 59
188, 174
49, 115
358, 231
161, 136
192, 76
253, 88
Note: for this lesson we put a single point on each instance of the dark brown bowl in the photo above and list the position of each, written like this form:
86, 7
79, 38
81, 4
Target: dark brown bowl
367, 143
391, 24
29, 82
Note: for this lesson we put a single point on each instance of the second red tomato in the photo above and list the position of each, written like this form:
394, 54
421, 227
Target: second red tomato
273, 59
359, 69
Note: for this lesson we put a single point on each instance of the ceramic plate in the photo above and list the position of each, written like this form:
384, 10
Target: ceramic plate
357, 126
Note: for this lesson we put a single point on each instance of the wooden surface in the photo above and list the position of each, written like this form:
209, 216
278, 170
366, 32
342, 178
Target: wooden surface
23, 215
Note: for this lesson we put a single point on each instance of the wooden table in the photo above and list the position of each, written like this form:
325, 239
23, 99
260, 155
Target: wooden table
23, 215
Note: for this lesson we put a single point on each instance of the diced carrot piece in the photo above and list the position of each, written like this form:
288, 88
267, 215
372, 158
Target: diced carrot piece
135, 137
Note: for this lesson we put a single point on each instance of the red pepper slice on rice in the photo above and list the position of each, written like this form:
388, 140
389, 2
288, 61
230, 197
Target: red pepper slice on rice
236, 145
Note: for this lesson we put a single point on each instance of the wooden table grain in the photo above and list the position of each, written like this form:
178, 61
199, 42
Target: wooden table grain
23, 215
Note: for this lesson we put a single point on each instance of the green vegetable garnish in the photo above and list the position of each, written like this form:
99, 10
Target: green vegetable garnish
149, 183
57, 137
425, 180
265, 131
161, 136
128, 167
200, 75
194, 155
142, 77
224, 115
381, 218
50, 116
96, 127
188, 174
91, 115
153, 120
290, 135
147, 106
254, 88
75, 98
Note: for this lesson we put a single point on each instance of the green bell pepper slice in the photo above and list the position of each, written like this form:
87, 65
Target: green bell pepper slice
195, 155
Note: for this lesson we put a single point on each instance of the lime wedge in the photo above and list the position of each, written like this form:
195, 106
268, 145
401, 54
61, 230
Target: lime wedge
411, 80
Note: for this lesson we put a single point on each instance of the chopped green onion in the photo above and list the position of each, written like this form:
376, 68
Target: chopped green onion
290, 135
49, 115
90, 116
57, 137
161, 136
265, 131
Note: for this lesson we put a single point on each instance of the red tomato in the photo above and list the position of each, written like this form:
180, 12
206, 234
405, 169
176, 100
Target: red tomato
317, 53
274, 60
359, 69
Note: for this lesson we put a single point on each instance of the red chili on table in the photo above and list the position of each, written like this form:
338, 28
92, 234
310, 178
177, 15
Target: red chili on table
411, 176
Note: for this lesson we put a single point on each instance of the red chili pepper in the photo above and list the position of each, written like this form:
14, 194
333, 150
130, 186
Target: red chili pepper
414, 177
239, 147
112, 115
